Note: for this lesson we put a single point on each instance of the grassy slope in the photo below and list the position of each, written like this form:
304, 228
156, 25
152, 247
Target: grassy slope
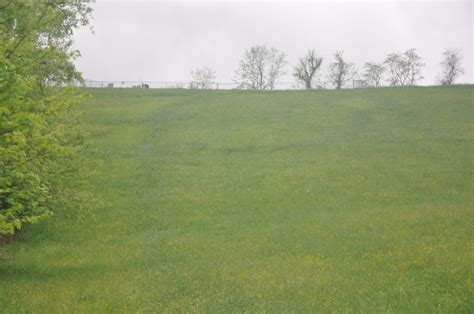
278, 201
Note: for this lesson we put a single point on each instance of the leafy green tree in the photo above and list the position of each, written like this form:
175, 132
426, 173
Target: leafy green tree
36, 95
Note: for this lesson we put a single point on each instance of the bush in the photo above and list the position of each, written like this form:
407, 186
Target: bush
36, 95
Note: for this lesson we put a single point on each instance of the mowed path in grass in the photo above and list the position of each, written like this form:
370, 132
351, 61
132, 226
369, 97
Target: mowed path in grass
230, 201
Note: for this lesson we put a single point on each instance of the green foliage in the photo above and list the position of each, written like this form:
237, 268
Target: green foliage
36, 74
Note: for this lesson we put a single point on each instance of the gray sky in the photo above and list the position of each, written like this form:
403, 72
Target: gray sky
164, 41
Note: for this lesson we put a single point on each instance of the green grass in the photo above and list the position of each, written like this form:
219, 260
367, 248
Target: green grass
229, 201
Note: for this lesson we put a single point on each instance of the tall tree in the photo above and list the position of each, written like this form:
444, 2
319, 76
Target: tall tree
340, 71
35, 59
260, 67
451, 67
307, 68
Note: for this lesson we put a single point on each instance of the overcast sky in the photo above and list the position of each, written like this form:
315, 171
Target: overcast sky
164, 41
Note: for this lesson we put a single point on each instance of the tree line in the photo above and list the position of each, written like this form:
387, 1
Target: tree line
261, 66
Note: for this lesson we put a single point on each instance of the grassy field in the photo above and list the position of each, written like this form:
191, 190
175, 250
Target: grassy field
228, 201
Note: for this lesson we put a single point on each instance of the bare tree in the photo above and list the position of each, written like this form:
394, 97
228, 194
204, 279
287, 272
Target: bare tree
396, 67
251, 70
414, 64
260, 68
203, 78
373, 74
404, 68
451, 67
277, 63
307, 68
340, 71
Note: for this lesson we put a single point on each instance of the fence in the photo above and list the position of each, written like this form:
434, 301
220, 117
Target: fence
214, 85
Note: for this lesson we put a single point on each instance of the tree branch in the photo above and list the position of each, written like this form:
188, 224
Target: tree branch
10, 52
